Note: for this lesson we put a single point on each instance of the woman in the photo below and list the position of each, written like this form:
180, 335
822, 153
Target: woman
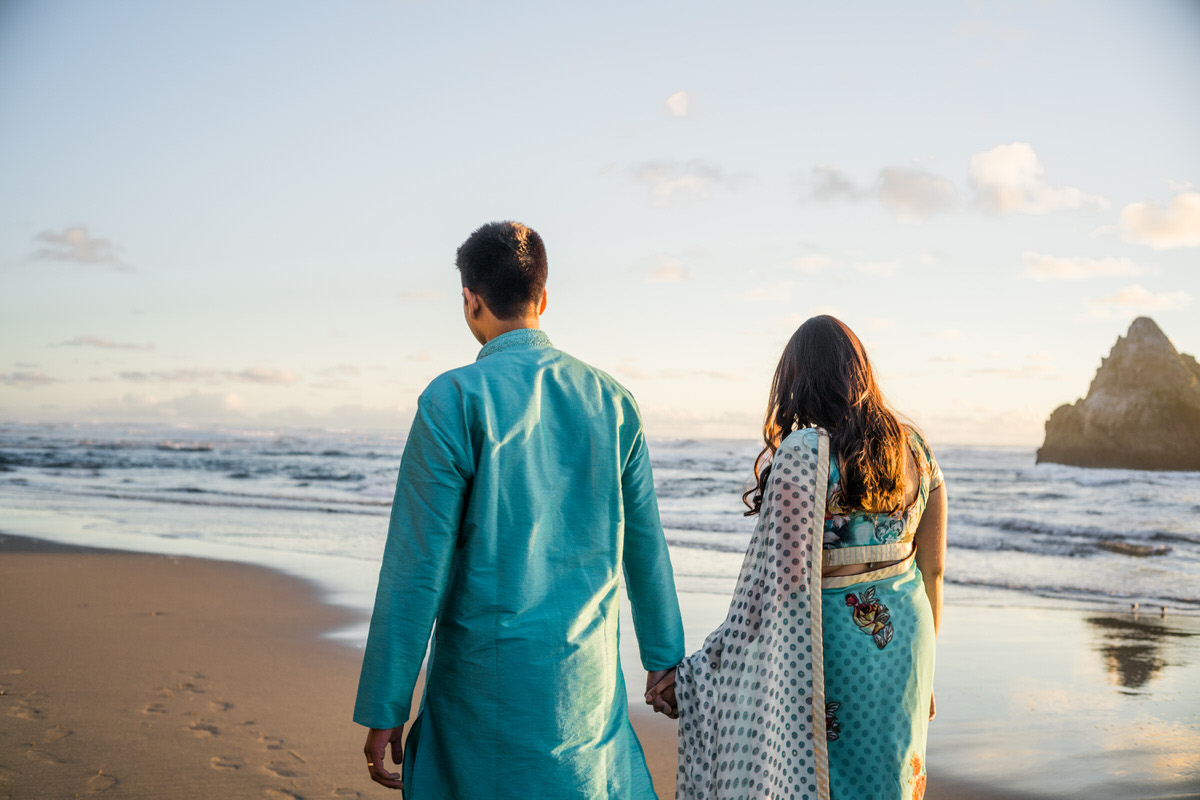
845, 492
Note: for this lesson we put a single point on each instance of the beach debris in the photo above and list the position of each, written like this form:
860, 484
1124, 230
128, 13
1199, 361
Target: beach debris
101, 782
1131, 549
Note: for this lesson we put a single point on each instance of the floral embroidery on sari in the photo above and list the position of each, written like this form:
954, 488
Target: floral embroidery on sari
833, 728
871, 616
918, 778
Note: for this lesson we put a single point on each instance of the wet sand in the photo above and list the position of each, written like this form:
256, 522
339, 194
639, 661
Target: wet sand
149, 676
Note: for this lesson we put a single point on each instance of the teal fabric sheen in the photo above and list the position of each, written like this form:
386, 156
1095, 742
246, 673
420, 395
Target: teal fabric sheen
524, 485
879, 696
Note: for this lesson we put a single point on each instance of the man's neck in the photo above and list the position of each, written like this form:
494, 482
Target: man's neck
493, 327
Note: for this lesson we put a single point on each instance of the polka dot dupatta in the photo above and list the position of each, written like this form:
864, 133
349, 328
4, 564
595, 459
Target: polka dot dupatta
747, 727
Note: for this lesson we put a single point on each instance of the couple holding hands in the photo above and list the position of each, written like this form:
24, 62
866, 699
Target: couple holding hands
525, 490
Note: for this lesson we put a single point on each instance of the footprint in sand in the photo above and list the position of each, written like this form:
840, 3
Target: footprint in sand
24, 710
225, 763
282, 794
271, 742
101, 782
218, 705
202, 730
341, 792
282, 769
56, 734
33, 754
155, 708
8, 774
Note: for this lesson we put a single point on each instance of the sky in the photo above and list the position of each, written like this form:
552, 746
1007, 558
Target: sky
245, 214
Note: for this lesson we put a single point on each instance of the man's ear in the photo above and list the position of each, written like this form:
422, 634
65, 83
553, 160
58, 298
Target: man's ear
472, 303
541, 309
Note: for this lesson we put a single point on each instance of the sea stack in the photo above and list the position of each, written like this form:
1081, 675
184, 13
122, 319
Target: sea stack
1142, 410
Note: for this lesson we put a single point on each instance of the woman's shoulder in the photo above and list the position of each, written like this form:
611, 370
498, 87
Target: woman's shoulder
804, 439
925, 452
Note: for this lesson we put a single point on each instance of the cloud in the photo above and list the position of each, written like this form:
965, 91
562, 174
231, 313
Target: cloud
812, 264
1136, 299
106, 344
667, 179
1052, 268
831, 183
914, 194
265, 375
1035, 365
911, 194
420, 295
1009, 179
679, 103
193, 375
1178, 225
26, 379
77, 245
670, 270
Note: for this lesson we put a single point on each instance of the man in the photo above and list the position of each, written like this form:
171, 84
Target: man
524, 487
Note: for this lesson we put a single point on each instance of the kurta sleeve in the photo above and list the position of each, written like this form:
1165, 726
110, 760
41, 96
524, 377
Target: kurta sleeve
649, 580
431, 490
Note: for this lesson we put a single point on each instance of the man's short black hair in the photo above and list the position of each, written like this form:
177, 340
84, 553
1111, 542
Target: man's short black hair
504, 263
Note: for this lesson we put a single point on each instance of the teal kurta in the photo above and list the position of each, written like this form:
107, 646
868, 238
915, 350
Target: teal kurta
524, 488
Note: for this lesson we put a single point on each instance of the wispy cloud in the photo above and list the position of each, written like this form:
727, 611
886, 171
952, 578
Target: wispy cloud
26, 379
105, 344
668, 179
813, 263
1010, 179
78, 246
910, 193
679, 103
263, 375
1177, 225
1136, 299
914, 194
668, 271
1041, 267
1034, 365
830, 183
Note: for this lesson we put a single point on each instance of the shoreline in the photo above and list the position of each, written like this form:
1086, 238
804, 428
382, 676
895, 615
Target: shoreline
183, 674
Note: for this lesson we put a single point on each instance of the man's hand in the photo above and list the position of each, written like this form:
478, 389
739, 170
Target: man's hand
660, 692
376, 748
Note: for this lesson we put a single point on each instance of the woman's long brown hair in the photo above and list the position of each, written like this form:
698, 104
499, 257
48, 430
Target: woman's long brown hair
825, 379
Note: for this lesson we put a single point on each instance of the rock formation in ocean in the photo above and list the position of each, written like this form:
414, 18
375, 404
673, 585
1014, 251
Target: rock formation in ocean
1142, 410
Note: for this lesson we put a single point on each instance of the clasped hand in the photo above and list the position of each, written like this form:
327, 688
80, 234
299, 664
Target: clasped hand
660, 692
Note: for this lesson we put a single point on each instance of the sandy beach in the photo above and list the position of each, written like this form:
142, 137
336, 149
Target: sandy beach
148, 676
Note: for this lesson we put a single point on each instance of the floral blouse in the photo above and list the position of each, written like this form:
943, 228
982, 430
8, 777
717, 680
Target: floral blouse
845, 527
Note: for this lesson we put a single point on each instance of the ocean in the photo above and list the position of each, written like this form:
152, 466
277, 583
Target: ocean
315, 503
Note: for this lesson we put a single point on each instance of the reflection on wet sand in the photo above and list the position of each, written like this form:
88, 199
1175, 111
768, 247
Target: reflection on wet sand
1136, 650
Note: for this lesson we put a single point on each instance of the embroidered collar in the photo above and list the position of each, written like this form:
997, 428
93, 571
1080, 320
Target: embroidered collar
521, 337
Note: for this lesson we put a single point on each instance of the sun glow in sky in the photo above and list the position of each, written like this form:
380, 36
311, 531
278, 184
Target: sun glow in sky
246, 214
